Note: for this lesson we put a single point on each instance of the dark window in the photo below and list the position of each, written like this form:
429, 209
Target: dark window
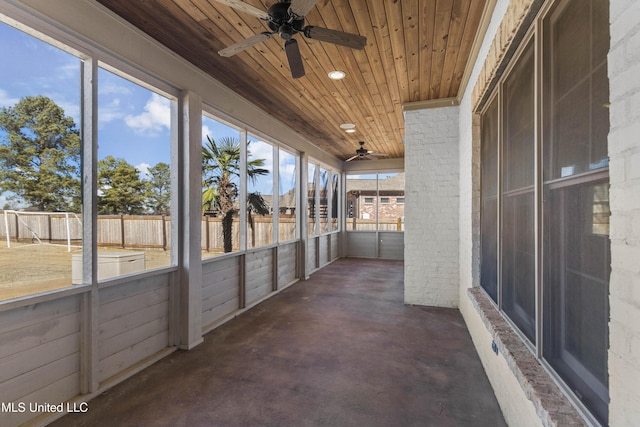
553, 188
577, 253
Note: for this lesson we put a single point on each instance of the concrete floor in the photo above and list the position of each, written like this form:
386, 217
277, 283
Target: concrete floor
340, 349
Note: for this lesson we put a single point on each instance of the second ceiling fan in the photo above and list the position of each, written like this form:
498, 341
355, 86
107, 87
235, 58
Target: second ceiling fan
362, 153
286, 18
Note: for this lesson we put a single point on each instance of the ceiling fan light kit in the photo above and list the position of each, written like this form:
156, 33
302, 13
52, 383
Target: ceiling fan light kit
286, 18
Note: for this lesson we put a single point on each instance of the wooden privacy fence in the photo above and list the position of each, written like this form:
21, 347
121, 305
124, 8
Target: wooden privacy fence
132, 231
154, 231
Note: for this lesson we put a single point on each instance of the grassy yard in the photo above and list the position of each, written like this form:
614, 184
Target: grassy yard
29, 268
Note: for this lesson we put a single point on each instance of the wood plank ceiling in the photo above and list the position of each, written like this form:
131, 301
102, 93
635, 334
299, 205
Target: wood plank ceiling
417, 50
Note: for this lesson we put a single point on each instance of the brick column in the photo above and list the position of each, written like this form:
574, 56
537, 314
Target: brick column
431, 207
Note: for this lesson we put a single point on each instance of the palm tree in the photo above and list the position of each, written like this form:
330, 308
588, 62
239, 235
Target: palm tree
220, 165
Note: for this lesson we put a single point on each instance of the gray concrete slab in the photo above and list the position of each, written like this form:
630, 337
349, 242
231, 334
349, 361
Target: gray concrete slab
340, 349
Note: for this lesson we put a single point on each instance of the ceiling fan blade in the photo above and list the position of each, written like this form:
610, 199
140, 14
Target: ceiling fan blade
352, 158
294, 58
246, 8
354, 41
301, 7
371, 157
245, 44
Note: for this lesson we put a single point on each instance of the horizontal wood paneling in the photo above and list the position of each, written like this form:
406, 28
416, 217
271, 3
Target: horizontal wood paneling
133, 323
39, 354
335, 246
220, 288
323, 250
259, 281
287, 264
311, 254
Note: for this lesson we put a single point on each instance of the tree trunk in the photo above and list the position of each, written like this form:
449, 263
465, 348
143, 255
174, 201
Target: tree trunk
227, 231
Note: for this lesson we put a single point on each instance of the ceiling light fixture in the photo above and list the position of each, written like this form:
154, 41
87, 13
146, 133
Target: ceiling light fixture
347, 126
350, 130
337, 75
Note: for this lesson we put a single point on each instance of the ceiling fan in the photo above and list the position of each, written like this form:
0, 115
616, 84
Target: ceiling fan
363, 153
287, 19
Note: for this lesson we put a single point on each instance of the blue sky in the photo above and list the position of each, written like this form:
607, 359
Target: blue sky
133, 122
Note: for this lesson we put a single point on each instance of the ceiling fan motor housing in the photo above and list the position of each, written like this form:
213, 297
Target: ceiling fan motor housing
283, 22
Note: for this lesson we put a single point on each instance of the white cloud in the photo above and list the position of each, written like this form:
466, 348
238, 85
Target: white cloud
68, 71
109, 112
155, 117
262, 150
287, 177
205, 131
110, 87
143, 169
6, 100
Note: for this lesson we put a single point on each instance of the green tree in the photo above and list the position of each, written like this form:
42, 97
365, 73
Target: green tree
159, 189
220, 167
40, 155
120, 189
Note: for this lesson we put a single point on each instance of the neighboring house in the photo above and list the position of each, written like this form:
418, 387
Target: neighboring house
373, 199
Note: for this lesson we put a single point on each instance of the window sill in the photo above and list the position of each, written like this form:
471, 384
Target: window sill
551, 405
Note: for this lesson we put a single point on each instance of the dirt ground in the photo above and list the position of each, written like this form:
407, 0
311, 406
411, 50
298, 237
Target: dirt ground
31, 268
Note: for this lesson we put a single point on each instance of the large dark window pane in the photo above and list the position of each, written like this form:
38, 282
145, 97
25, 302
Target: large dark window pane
576, 88
576, 253
489, 213
577, 268
518, 227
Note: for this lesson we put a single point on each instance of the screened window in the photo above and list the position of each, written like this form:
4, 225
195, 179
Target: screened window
324, 200
577, 254
220, 186
372, 202
518, 289
335, 197
312, 179
565, 235
287, 190
134, 175
259, 192
40, 176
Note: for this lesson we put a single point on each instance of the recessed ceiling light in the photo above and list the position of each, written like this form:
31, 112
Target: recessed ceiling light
350, 130
337, 75
347, 126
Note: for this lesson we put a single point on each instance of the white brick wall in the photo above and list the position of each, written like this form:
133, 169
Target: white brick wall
431, 209
624, 154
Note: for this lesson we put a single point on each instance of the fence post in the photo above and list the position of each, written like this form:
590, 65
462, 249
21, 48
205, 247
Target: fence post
49, 226
6, 227
164, 235
122, 230
206, 229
